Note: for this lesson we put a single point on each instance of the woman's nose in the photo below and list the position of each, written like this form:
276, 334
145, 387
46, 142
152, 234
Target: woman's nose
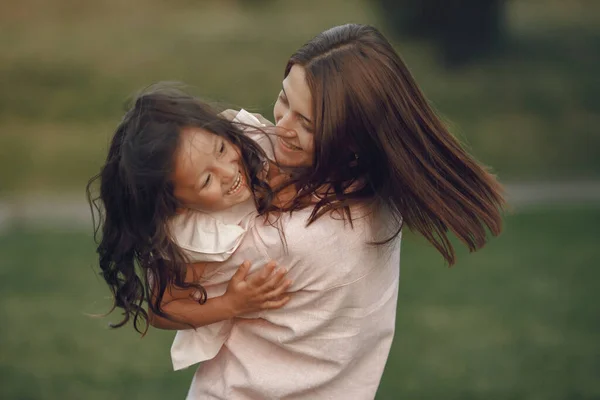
284, 121
285, 127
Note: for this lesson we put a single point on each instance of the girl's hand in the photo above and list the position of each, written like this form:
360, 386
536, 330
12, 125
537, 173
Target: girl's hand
261, 290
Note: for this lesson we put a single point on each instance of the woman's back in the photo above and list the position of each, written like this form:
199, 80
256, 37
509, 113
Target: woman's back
332, 339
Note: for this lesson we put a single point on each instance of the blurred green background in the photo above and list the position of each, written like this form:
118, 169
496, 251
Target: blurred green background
517, 320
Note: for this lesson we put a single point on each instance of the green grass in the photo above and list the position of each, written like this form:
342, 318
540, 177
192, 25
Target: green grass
66, 69
518, 320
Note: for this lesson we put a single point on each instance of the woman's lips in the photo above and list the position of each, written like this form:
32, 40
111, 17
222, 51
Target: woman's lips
288, 146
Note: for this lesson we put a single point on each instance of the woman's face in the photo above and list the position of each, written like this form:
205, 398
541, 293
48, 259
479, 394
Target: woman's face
209, 173
293, 112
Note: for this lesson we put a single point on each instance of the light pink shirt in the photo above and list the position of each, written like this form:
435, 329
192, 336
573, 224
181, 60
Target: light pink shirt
331, 341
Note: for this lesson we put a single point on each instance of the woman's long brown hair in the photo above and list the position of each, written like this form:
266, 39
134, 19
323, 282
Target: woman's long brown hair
378, 138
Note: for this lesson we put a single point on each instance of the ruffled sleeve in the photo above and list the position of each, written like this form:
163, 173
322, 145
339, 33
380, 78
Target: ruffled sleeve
203, 237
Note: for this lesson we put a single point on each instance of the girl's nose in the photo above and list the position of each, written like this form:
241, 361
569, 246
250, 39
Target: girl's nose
228, 172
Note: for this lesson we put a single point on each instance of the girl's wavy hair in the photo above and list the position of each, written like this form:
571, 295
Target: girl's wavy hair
378, 139
137, 256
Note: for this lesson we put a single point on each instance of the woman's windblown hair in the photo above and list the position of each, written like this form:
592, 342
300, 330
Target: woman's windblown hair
377, 137
137, 256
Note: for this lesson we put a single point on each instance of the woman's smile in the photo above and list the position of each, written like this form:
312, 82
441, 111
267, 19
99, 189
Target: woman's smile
287, 146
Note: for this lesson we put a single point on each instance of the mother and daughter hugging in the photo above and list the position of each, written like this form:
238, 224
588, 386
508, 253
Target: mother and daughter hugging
274, 249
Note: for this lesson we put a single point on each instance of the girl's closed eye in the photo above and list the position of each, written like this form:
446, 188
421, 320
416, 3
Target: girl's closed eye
206, 182
222, 148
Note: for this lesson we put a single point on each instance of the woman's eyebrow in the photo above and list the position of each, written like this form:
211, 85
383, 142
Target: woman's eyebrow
297, 113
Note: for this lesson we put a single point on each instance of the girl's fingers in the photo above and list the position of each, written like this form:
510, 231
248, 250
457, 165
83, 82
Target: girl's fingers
268, 270
279, 290
273, 304
242, 272
258, 278
274, 281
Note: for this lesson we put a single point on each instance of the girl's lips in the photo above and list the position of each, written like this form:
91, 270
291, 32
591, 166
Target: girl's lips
237, 184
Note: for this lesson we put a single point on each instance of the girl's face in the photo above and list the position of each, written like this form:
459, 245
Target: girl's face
293, 112
209, 173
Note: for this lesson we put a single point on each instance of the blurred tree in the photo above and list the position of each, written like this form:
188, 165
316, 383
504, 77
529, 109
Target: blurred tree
463, 30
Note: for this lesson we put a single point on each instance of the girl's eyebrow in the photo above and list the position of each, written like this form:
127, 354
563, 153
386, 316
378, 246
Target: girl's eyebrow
297, 113
215, 141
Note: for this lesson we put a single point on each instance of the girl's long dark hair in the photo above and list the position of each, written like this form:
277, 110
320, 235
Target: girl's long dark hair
137, 256
377, 138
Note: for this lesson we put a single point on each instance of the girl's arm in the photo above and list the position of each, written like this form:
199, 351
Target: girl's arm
245, 293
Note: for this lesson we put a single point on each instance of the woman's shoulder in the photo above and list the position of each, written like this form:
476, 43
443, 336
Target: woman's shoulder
331, 227
337, 231
331, 250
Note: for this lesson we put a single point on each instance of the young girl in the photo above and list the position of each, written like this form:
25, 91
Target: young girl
180, 188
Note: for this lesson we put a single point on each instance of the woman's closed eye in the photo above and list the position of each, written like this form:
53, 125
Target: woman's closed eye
222, 148
307, 127
283, 98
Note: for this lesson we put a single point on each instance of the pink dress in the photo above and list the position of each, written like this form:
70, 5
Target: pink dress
331, 341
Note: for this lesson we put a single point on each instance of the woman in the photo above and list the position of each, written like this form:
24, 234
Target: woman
370, 156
